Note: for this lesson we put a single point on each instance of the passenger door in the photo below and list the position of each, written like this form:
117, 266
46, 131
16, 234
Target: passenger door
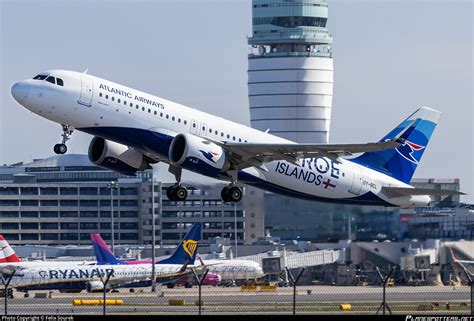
357, 178
87, 91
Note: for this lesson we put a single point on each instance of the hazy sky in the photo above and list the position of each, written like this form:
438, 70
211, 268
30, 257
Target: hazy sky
390, 57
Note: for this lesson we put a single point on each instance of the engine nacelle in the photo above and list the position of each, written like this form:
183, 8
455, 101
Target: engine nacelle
94, 286
115, 156
198, 154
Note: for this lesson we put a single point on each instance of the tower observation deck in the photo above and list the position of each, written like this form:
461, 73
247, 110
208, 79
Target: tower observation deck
290, 75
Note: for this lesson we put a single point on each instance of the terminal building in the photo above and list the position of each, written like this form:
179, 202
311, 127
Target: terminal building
62, 199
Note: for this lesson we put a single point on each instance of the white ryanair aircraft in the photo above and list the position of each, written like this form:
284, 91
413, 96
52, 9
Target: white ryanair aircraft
133, 129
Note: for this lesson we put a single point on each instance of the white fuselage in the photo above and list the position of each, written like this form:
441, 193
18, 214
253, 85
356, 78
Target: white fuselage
131, 117
76, 276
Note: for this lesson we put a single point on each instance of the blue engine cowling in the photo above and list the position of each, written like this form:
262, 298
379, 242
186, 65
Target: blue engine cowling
198, 154
116, 157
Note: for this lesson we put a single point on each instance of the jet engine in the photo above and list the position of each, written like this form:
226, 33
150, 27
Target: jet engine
198, 154
117, 157
94, 286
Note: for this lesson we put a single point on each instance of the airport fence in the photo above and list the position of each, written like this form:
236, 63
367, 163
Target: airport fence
378, 296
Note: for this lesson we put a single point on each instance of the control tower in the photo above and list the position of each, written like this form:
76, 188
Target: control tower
290, 75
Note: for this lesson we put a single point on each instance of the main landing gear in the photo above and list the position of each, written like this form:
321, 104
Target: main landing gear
177, 192
62, 148
231, 193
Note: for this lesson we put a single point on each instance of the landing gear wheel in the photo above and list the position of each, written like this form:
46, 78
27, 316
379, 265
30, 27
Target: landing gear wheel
225, 193
177, 193
60, 149
181, 193
231, 194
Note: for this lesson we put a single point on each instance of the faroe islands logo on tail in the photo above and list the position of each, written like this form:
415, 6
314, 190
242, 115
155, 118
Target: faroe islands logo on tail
408, 150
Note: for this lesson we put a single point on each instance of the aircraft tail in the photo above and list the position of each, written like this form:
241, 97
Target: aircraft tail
413, 133
8, 253
186, 252
102, 252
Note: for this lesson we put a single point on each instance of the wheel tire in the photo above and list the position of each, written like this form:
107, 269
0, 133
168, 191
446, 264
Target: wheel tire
60, 149
225, 194
180, 193
170, 193
235, 194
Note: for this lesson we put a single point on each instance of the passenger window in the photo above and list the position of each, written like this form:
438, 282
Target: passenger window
149, 110
118, 100
167, 116
194, 125
233, 138
161, 114
59, 81
216, 132
100, 94
185, 122
172, 118
136, 106
125, 102
131, 105
240, 140
51, 80
155, 112
179, 120
222, 134
143, 108
113, 98
228, 136
210, 130
106, 96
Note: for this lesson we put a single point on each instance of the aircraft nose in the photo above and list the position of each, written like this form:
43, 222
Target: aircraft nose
20, 91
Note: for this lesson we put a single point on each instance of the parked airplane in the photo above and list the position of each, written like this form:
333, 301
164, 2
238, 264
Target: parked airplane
219, 270
73, 276
133, 129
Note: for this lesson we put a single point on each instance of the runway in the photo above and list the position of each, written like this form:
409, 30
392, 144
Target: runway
310, 299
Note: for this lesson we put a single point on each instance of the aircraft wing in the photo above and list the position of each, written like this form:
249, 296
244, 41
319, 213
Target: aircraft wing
244, 155
407, 191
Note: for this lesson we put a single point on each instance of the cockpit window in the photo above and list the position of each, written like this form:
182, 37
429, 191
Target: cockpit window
59, 81
41, 77
51, 80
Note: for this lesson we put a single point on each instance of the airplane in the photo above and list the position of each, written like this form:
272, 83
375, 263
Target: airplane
219, 270
133, 130
77, 277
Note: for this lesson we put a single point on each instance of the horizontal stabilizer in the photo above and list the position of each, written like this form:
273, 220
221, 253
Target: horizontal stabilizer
408, 191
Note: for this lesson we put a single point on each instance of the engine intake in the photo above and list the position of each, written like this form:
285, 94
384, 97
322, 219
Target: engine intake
198, 154
116, 157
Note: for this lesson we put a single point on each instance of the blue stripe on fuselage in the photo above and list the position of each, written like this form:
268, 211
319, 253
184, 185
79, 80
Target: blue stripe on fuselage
159, 143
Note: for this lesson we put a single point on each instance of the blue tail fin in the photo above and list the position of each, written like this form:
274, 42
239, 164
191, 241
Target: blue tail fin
187, 250
102, 252
413, 133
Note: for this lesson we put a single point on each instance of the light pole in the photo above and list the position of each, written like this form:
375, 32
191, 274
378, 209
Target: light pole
235, 227
113, 185
153, 231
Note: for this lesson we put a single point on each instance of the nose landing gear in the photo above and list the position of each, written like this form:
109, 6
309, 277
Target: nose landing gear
67, 131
